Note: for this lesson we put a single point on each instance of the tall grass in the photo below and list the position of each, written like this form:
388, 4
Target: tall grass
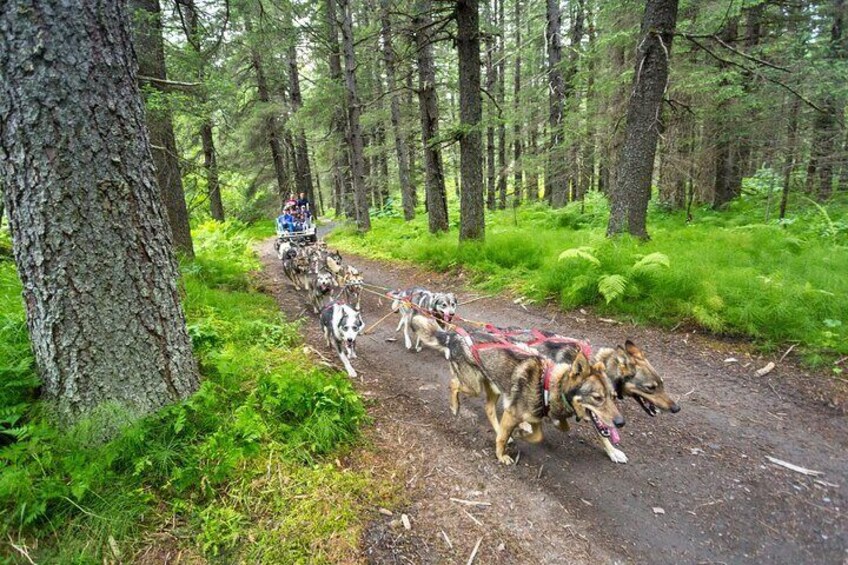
263, 426
729, 272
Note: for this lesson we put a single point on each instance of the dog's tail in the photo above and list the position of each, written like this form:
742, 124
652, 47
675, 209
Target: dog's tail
431, 335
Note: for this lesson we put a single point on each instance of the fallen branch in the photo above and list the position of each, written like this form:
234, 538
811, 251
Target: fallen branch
447, 540
470, 515
788, 351
796, 468
471, 502
474, 553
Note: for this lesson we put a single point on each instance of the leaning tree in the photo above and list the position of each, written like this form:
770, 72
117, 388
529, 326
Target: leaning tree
91, 238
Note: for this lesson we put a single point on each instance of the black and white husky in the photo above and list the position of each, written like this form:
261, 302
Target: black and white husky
341, 324
439, 305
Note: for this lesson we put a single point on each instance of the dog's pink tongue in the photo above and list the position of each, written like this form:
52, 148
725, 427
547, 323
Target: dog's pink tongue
614, 437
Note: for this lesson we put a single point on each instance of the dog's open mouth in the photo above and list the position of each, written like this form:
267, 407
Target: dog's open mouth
604, 430
647, 405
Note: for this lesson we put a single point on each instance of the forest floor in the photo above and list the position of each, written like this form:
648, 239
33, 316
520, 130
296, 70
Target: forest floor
697, 488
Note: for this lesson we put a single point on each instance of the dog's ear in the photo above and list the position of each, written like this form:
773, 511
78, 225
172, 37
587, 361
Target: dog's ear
633, 350
580, 366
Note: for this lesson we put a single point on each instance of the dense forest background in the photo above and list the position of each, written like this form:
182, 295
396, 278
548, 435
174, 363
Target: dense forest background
261, 98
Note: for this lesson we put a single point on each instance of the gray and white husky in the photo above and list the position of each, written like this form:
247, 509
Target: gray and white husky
439, 305
341, 325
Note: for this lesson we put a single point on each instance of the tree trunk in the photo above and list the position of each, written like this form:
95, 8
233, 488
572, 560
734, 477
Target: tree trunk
572, 99
587, 177
791, 143
632, 190
360, 191
411, 142
491, 81
90, 232
556, 188
147, 40
210, 163
191, 28
303, 171
437, 205
501, 96
318, 194
457, 185
272, 127
516, 102
826, 136
472, 224
406, 195
342, 187
728, 183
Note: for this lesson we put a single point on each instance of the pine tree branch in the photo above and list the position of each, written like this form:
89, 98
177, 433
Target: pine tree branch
169, 83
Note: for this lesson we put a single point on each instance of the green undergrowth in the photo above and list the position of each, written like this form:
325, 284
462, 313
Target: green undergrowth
731, 272
247, 469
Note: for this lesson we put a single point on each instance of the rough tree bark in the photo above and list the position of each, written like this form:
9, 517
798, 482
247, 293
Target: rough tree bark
472, 224
437, 205
147, 40
354, 110
556, 188
516, 102
406, 195
632, 189
302, 169
90, 232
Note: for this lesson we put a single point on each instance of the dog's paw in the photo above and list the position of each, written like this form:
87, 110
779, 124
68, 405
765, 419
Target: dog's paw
506, 459
418, 348
617, 456
352, 373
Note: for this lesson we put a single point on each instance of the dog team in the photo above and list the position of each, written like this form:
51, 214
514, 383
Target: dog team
333, 289
536, 375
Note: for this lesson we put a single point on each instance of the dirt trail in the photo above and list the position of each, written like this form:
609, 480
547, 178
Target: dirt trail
705, 468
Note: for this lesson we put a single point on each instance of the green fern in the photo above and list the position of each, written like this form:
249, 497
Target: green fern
652, 262
611, 286
585, 253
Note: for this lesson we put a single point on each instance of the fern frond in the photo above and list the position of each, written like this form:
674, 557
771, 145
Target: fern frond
651, 262
611, 286
585, 253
